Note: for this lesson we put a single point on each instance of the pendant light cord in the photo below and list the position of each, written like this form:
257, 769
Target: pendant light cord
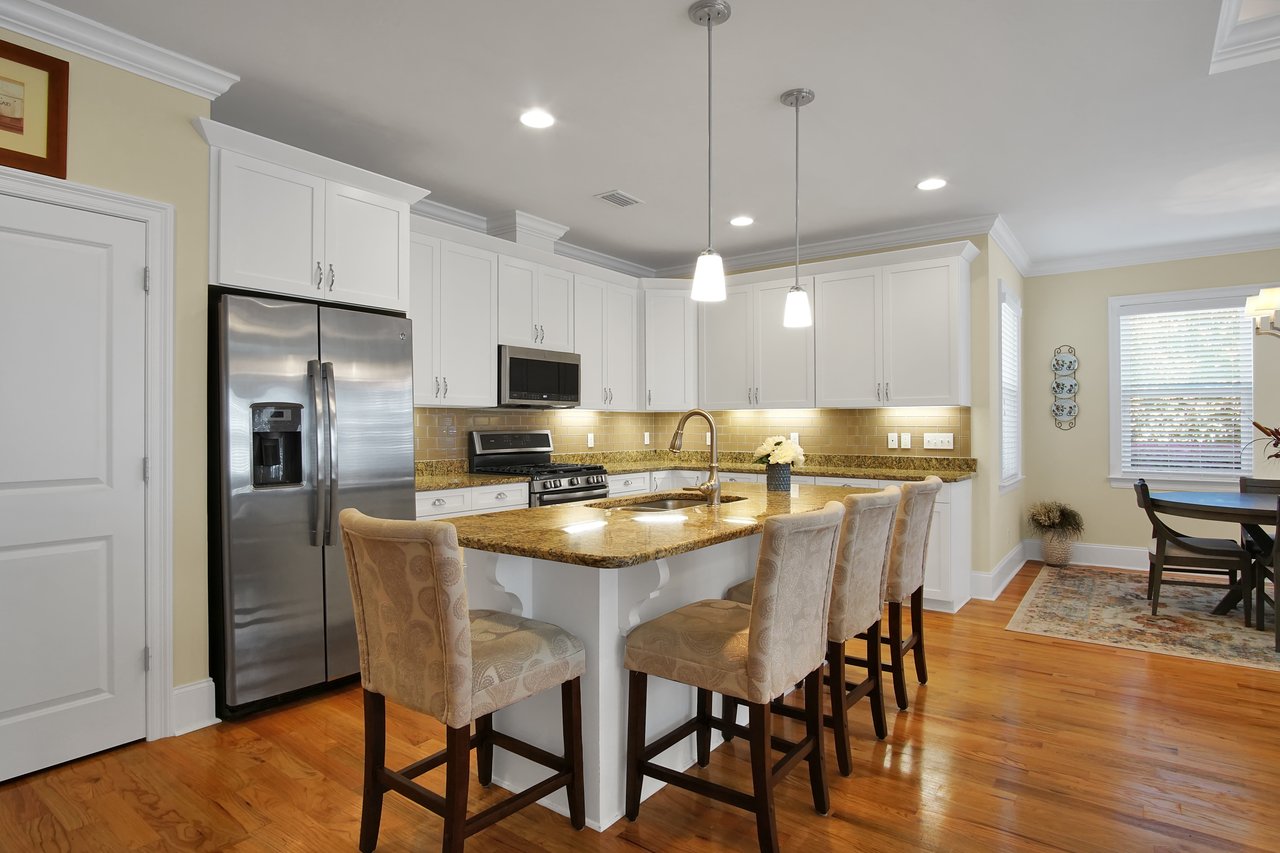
709, 25
797, 284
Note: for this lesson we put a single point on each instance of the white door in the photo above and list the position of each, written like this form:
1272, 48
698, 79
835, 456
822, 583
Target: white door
725, 345
620, 348
72, 500
517, 290
589, 336
366, 248
467, 327
424, 273
919, 338
554, 309
270, 227
846, 331
670, 351
783, 356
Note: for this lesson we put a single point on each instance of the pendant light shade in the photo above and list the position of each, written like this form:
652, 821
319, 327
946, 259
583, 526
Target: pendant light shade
797, 313
708, 275
708, 278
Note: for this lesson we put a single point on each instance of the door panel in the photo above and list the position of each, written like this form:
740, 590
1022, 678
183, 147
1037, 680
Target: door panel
589, 341
846, 328
919, 354
424, 277
784, 357
670, 351
517, 292
366, 248
620, 348
554, 309
468, 326
72, 498
726, 349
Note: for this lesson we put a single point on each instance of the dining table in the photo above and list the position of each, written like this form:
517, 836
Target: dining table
1250, 510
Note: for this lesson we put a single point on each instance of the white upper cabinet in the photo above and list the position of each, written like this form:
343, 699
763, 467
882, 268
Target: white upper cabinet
847, 330
605, 336
454, 313
748, 358
535, 305
285, 230
670, 350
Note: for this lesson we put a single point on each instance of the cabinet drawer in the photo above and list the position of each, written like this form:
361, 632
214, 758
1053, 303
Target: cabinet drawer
628, 484
443, 502
507, 496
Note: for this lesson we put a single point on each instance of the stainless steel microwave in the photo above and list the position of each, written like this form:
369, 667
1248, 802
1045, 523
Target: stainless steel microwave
538, 378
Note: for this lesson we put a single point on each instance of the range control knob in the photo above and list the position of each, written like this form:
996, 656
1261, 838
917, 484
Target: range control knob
573, 481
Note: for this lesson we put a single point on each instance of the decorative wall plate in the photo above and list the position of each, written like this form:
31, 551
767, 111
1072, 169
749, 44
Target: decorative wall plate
1065, 386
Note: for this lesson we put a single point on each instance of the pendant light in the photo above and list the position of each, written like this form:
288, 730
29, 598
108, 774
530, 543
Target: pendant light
796, 313
708, 274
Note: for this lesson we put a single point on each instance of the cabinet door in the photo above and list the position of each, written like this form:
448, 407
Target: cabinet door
937, 558
783, 357
553, 310
424, 273
725, 348
517, 293
270, 226
366, 248
468, 326
620, 347
847, 339
589, 340
920, 334
670, 351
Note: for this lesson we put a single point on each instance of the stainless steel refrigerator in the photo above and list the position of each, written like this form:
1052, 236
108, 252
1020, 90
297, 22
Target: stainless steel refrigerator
316, 416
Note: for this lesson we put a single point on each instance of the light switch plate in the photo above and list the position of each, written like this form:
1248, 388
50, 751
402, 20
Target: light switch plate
795, 436
893, 440
591, 439
708, 438
646, 438
905, 440
939, 441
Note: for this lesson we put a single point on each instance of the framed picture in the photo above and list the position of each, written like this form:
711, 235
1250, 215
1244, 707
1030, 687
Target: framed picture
33, 111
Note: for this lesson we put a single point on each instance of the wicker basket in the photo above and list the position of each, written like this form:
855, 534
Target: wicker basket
1057, 548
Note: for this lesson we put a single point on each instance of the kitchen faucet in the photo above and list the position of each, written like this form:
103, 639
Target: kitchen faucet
711, 488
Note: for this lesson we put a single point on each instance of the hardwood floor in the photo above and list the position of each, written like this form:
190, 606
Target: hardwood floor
1018, 742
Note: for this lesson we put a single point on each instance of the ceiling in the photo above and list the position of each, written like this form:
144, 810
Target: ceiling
1091, 126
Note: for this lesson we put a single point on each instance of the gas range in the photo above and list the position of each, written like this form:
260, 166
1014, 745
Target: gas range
528, 454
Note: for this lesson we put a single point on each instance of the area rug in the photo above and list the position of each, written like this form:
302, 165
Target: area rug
1110, 607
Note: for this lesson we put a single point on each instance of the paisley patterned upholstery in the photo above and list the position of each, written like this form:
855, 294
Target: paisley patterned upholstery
862, 559
419, 644
753, 653
907, 550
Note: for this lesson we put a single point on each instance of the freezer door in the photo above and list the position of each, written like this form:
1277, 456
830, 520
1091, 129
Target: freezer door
367, 360
272, 575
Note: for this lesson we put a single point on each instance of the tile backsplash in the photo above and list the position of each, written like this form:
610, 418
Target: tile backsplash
442, 433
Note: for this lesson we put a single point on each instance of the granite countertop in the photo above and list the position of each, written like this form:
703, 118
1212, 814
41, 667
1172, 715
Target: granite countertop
431, 481
600, 535
904, 474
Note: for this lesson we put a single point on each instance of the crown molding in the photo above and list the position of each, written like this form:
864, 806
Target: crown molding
1241, 43
86, 37
1156, 254
600, 259
847, 245
1004, 237
451, 215
525, 229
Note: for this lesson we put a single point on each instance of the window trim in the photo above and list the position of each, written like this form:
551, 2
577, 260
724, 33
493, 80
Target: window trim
1189, 300
1008, 297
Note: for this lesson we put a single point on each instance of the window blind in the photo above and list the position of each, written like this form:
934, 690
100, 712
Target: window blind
1186, 391
1010, 393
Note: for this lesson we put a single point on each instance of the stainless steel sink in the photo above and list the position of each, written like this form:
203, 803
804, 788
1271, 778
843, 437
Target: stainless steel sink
664, 504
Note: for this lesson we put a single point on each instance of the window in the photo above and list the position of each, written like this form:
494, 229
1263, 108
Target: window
1010, 388
1181, 385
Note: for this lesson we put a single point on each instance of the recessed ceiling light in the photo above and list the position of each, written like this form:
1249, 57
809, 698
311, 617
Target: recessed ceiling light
741, 221
931, 184
537, 117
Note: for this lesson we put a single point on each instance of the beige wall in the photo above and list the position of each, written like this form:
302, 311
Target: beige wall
1072, 466
134, 136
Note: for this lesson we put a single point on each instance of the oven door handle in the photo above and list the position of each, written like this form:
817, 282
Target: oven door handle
569, 497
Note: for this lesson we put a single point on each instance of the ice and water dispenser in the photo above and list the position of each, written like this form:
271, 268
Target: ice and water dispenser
277, 444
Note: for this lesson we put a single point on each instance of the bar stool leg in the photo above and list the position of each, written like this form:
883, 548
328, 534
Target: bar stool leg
457, 778
704, 727
637, 695
917, 628
484, 749
895, 654
813, 734
571, 713
839, 706
762, 775
876, 696
729, 714
375, 760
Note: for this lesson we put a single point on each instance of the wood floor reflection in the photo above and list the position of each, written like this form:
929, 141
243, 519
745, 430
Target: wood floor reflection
1018, 742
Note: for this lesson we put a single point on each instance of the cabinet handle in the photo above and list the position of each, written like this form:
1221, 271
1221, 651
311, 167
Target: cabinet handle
437, 386
446, 386
626, 482
319, 275
650, 396
877, 391
610, 396
886, 392
332, 277
500, 496
542, 334
438, 502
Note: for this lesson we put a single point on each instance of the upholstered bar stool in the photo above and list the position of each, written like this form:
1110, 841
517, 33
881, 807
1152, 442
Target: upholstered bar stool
857, 603
752, 653
422, 648
905, 583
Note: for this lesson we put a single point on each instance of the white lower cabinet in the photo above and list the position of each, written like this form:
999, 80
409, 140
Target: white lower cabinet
444, 503
669, 481
628, 484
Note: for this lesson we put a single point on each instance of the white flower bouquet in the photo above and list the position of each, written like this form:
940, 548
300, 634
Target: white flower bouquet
779, 450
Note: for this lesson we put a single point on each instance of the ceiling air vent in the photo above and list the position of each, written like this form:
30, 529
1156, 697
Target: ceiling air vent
619, 198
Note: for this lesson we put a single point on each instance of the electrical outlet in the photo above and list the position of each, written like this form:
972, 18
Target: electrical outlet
939, 441
708, 438
591, 439
893, 440
795, 436
905, 440
646, 438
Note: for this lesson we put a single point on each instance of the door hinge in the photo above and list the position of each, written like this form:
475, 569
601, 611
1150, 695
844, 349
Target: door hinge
146, 279
146, 469
146, 658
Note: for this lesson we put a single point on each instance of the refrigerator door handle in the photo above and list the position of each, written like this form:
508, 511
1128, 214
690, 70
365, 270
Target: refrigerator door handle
331, 505
314, 381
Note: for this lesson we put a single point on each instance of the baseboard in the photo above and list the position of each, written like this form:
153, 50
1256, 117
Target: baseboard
191, 707
987, 586
1086, 554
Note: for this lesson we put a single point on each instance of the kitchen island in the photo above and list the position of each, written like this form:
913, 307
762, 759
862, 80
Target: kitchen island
599, 569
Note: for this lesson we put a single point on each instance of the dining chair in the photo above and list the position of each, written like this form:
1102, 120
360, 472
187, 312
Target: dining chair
751, 652
857, 604
421, 647
1193, 555
1255, 543
1266, 573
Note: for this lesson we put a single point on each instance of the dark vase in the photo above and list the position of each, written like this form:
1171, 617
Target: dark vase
777, 476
